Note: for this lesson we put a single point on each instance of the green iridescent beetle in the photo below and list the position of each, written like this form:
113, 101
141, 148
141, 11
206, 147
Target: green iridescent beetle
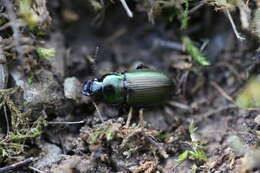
137, 88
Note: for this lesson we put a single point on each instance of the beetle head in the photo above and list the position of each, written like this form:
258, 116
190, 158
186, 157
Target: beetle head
91, 88
86, 88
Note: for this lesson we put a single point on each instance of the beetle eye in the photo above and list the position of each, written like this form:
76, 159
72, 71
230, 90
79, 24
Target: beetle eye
109, 90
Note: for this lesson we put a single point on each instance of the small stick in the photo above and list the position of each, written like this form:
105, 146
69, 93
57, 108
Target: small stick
161, 150
205, 43
7, 122
35, 169
170, 44
127, 139
9, 90
201, 3
16, 165
67, 122
181, 106
129, 117
128, 11
234, 26
5, 26
215, 111
222, 92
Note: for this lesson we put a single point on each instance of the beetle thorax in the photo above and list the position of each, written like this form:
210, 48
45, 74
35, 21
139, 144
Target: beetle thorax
113, 89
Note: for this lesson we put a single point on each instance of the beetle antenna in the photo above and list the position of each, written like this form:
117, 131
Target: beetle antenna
96, 52
98, 112
93, 58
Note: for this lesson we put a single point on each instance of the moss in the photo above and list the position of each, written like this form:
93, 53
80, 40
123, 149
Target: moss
23, 128
249, 97
27, 13
45, 53
196, 150
185, 18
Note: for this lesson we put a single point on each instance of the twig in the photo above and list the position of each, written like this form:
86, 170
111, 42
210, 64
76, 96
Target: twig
192, 10
177, 165
128, 11
181, 106
227, 13
67, 122
9, 91
247, 1
3, 15
222, 92
35, 169
253, 109
7, 122
201, 3
170, 44
5, 26
157, 145
204, 44
231, 68
127, 139
16, 165
215, 111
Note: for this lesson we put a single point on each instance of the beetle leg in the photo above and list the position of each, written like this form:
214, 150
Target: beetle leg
141, 117
129, 117
98, 112
142, 66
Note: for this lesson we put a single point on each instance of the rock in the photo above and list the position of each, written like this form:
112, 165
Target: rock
52, 155
72, 88
45, 92
257, 119
74, 164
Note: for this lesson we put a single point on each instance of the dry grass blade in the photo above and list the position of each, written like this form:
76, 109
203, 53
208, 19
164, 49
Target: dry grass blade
222, 92
128, 11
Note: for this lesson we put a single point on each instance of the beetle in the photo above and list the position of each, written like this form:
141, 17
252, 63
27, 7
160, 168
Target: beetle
137, 88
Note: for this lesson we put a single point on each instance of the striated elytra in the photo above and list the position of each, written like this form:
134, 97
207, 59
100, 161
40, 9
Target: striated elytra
138, 88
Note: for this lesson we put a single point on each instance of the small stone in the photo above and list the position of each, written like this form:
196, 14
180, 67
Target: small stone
257, 119
127, 154
45, 92
75, 164
52, 155
72, 88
